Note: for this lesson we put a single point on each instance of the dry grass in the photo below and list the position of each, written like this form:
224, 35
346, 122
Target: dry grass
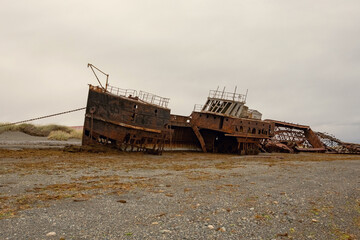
202, 176
81, 189
77, 134
53, 159
53, 131
34, 130
59, 135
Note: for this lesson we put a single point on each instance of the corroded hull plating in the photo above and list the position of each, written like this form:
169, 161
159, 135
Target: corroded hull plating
130, 124
216, 133
132, 121
124, 122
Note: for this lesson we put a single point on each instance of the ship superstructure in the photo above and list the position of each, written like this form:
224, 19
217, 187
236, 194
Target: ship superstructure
223, 124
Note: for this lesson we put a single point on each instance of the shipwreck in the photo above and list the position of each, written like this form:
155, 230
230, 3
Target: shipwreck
132, 120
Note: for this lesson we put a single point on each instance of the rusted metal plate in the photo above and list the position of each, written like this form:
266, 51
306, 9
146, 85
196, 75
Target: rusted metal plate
223, 124
140, 121
334, 145
125, 122
223, 133
295, 137
320, 150
132, 122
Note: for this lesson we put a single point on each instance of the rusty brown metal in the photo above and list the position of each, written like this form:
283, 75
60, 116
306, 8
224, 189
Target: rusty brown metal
182, 136
199, 137
334, 145
92, 67
223, 133
290, 137
132, 121
123, 120
272, 146
224, 124
140, 121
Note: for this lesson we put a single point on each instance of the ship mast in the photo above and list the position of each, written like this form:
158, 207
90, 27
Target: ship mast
107, 76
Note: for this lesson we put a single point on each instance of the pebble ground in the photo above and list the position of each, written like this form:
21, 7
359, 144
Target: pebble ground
49, 194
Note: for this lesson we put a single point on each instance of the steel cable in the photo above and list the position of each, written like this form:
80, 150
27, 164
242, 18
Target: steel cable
47, 116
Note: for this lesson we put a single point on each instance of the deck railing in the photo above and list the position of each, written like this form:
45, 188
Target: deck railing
153, 99
122, 92
143, 96
198, 107
227, 96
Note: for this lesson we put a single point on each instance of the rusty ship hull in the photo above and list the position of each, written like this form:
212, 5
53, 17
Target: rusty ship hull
123, 121
129, 121
216, 133
139, 121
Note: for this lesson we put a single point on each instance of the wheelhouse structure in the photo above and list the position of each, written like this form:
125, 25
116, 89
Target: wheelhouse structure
224, 124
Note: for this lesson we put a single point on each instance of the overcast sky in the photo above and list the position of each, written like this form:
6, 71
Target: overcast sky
300, 60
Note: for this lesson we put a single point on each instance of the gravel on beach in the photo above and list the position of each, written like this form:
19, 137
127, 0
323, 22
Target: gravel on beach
51, 194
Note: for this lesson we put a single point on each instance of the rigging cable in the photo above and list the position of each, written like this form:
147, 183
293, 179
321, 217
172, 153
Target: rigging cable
47, 116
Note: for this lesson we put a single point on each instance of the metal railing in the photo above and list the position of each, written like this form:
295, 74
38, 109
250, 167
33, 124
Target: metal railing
198, 107
122, 92
153, 99
227, 96
143, 96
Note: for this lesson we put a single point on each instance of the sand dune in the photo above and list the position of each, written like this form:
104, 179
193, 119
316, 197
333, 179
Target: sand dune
20, 140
